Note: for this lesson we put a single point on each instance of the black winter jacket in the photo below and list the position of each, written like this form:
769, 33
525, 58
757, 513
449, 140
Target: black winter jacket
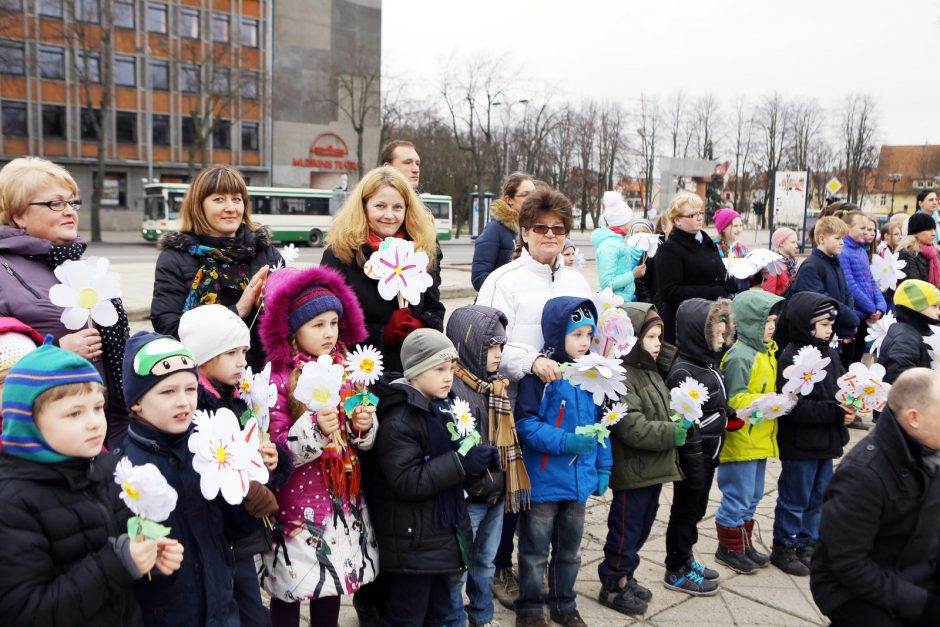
687, 268
878, 541
496, 244
830, 283
814, 428
698, 359
903, 346
175, 272
407, 483
57, 564
918, 266
377, 310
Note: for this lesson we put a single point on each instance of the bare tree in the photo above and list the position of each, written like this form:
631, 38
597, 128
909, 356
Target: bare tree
707, 119
822, 163
587, 134
356, 78
648, 129
395, 109
858, 128
772, 121
742, 140
805, 124
562, 149
676, 118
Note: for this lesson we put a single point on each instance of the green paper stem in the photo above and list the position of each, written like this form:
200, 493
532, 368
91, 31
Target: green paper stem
468, 443
597, 431
138, 526
360, 398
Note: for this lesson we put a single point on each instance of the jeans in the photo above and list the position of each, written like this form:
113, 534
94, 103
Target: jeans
559, 525
247, 593
742, 486
799, 500
629, 522
689, 506
507, 541
416, 600
487, 523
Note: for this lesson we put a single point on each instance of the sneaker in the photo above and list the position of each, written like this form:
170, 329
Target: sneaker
738, 561
568, 619
623, 600
858, 424
805, 553
786, 559
531, 621
708, 574
643, 593
505, 587
492, 623
690, 582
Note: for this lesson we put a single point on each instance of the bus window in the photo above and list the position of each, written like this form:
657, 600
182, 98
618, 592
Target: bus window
290, 206
439, 210
176, 201
317, 206
154, 208
261, 205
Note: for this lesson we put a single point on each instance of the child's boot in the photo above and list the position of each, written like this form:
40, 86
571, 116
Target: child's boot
787, 559
623, 599
753, 554
731, 545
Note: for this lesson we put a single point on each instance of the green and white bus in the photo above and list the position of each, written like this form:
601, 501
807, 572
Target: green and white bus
293, 215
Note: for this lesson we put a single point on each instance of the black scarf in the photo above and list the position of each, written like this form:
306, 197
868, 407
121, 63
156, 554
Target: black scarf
449, 505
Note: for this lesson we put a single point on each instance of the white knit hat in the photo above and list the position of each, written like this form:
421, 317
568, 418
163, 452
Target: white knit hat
616, 210
13, 347
211, 330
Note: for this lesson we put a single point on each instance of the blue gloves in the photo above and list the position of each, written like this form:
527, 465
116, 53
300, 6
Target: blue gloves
479, 458
603, 481
579, 444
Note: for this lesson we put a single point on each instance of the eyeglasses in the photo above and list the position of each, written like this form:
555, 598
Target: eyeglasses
60, 205
697, 214
542, 229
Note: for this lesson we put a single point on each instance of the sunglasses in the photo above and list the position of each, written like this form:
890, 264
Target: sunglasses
542, 229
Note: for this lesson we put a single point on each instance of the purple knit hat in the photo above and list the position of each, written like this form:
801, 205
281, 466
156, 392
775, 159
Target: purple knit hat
724, 217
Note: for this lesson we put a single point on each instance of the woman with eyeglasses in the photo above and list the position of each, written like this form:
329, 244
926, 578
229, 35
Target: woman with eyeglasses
39, 214
689, 265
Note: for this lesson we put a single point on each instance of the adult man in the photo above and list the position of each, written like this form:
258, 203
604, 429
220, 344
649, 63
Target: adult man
876, 561
402, 156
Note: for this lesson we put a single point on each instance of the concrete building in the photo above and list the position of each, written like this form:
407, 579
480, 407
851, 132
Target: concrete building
258, 84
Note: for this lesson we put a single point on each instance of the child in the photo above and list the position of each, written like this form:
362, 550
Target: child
917, 304
643, 446
160, 383
704, 330
479, 333
616, 262
574, 467
66, 558
327, 548
16, 340
421, 516
729, 226
784, 242
569, 252
219, 340
891, 234
809, 437
866, 295
750, 371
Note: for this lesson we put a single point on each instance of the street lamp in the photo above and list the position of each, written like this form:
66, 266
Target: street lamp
509, 106
894, 177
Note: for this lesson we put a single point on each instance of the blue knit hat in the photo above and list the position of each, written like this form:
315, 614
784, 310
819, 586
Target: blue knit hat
40, 370
580, 317
310, 303
150, 357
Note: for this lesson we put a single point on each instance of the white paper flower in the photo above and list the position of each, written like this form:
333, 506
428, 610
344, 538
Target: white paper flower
290, 253
866, 385
364, 365
888, 270
615, 336
754, 262
933, 347
808, 369
86, 289
685, 405
578, 262
319, 383
262, 397
226, 457
145, 491
694, 390
601, 376
399, 270
770, 407
878, 331
614, 414
646, 242
463, 417
606, 299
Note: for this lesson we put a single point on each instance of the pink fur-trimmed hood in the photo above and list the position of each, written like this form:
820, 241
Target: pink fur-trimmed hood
280, 289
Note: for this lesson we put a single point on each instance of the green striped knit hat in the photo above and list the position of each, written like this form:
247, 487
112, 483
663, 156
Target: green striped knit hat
916, 294
43, 369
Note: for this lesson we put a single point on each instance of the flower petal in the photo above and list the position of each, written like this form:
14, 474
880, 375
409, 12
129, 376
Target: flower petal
74, 318
104, 313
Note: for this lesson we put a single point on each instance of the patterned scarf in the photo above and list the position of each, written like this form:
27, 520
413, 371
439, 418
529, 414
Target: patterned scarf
224, 269
502, 434
113, 338
790, 264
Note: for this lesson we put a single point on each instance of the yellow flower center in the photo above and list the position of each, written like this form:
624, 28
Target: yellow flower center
590, 374
398, 270
694, 394
321, 395
807, 376
367, 365
246, 386
870, 390
87, 298
221, 455
130, 490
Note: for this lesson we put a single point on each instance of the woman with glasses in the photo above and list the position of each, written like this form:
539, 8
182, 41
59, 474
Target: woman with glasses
688, 265
39, 211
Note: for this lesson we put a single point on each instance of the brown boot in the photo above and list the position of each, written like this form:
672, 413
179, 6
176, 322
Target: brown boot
731, 545
753, 554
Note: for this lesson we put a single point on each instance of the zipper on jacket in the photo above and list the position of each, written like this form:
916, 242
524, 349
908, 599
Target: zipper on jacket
13, 274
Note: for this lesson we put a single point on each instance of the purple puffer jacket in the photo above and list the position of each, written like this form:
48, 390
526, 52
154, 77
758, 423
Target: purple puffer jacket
861, 282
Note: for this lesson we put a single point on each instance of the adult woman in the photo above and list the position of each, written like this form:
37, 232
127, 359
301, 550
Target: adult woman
39, 216
918, 250
927, 203
688, 265
219, 256
496, 244
618, 265
382, 205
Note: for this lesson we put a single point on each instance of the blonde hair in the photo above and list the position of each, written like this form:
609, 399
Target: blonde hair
216, 179
829, 225
23, 178
680, 199
350, 229
68, 389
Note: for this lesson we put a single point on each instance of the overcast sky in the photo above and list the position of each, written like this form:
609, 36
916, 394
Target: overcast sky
616, 49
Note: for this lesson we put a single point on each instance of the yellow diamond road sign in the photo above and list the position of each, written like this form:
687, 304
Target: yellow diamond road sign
833, 185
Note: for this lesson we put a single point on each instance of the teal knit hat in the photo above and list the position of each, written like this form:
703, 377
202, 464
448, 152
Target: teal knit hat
43, 369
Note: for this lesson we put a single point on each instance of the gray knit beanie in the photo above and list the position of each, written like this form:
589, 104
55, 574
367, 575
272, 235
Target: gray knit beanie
424, 349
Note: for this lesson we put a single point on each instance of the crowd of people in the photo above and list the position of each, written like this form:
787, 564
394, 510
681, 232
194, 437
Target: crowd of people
388, 501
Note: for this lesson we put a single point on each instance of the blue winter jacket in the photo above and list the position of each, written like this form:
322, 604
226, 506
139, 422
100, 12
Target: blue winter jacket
830, 283
537, 410
495, 245
861, 282
616, 262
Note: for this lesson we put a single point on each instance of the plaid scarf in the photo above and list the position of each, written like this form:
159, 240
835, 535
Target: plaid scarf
224, 269
502, 435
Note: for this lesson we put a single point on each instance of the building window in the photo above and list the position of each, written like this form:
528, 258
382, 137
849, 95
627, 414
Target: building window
14, 118
220, 82
53, 122
249, 85
11, 5
160, 75
86, 11
189, 79
161, 130
125, 71
884, 200
249, 136
189, 23
88, 117
220, 28
11, 57
250, 33
88, 67
114, 192
125, 127
52, 62
156, 18
188, 135
222, 134
50, 8
123, 14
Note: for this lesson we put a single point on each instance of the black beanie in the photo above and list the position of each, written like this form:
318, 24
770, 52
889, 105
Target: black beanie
920, 222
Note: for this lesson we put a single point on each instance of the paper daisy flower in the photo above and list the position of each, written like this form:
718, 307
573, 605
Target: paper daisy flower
685, 405
878, 331
615, 335
290, 253
578, 259
364, 365
602, 376
86, 289
808, 369
262, 397
647, 242
614, 414
888, 270
399, 270
243, 388
463, 417
319, 383
694, 390
863, 387
145, 491
606, 299
226, 457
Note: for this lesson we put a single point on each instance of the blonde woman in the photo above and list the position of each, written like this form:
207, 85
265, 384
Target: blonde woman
383, 205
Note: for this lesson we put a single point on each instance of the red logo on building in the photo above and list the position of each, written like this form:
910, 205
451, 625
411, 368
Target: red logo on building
329, 144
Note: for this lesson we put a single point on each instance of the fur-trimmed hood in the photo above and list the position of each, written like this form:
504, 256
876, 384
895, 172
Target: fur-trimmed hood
178, 240
695, 320
282, 285
502, 212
